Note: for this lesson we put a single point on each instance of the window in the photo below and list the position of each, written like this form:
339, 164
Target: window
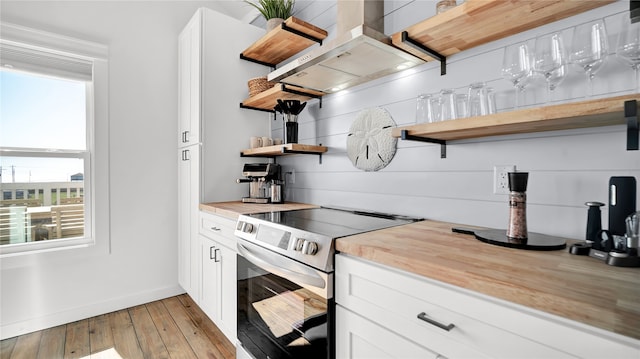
47, 139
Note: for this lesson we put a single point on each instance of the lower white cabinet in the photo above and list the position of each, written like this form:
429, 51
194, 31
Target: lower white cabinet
218, 289
360, 338
380, 307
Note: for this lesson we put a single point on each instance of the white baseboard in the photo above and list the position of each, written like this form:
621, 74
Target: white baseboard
10, 330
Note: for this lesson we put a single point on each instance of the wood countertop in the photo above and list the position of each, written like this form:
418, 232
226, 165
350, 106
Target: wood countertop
235, 208
580, 288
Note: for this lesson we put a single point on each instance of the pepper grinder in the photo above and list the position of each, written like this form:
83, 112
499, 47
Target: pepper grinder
517, 230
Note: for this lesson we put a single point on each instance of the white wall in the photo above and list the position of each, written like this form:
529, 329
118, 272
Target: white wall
567, 168
39, 291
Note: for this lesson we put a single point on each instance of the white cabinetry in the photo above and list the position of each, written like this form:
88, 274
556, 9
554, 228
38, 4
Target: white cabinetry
212, 128
219, 291
382, 305
188, 201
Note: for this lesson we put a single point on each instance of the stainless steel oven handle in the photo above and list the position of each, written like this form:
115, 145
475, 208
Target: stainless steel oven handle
274, 268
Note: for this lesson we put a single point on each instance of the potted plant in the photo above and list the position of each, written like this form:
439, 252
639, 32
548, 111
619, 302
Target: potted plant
274, 11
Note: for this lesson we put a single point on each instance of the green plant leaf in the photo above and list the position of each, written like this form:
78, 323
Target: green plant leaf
274, 8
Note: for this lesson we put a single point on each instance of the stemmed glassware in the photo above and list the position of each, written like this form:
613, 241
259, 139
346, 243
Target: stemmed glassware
628, 47
549, 60
589, 49
516, 67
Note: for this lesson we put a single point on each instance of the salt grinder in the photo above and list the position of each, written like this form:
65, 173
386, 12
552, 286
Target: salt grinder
517, 229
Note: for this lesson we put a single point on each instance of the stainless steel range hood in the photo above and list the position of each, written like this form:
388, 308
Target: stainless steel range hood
360, 52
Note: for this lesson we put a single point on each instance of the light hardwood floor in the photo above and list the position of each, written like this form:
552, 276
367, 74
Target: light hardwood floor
170, 328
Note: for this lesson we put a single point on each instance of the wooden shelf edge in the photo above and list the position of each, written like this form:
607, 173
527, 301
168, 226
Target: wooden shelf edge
268, 49
450, 32
583, 114
285, 149
267, 100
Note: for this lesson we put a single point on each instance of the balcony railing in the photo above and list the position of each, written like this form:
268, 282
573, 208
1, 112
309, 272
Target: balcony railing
49, 193
41, 211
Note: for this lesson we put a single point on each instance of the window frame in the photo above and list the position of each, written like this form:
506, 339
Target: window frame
96, 155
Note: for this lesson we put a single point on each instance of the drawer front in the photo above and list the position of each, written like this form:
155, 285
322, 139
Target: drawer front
359, 338
218, 228
396, 301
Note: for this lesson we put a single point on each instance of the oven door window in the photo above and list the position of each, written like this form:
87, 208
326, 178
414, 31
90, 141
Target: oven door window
278, 318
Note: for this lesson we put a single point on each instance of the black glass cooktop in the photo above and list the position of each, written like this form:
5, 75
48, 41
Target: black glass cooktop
334, 222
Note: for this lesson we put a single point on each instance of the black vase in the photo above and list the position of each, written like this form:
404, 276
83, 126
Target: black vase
290, 132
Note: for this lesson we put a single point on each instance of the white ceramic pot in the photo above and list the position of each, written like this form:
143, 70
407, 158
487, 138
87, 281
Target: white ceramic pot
273, 23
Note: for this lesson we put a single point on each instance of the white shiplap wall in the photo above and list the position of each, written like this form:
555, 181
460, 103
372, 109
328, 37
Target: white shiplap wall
567, 168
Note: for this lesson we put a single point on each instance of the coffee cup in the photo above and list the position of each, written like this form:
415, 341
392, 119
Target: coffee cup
266, 141
277, 141
255, 142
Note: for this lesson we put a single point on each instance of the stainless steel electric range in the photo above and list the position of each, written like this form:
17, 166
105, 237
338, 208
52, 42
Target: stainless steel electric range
285, 278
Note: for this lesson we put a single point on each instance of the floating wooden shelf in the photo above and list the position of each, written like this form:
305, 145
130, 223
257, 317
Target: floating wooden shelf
280, 150
286, 149
476, 22
267, 100
279, 44
591, 113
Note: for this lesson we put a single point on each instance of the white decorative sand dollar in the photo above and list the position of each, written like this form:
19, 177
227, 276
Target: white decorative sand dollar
370, 146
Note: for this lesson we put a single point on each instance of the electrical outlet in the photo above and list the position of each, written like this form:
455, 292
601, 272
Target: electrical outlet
501, 178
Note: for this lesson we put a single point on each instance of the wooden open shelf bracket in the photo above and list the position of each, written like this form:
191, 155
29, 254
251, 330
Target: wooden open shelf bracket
301, 93
256, 108
286, 152
631, 115
263, 63
404, 134
275, 151
418, 46
300, 33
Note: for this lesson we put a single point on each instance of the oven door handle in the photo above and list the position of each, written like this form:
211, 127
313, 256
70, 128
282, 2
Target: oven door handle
309, 278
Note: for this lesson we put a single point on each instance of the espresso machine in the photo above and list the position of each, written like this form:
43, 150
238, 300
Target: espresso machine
264, 182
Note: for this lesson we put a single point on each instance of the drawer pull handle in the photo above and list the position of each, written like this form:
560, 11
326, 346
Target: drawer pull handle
423, 316
215, 229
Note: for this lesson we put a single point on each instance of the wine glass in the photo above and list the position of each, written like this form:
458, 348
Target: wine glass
589, 49
516, 67
628, 47
549, 59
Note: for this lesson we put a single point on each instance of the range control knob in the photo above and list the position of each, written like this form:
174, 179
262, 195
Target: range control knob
296, 244
309, 248
246, 227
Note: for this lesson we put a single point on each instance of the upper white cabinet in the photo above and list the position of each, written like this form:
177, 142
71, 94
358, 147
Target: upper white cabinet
211, 125
189, 57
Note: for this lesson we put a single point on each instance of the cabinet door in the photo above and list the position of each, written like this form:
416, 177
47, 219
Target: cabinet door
218, 295
189, 199
210, 294
189, 70
360, 338
228, 292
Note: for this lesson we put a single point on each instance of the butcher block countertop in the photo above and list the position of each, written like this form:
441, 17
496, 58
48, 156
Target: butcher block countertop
580, 288
233, 209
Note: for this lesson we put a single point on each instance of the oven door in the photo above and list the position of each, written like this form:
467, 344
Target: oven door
285, 308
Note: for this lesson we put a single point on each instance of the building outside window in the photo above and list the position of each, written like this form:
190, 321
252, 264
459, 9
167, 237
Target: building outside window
47, 140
